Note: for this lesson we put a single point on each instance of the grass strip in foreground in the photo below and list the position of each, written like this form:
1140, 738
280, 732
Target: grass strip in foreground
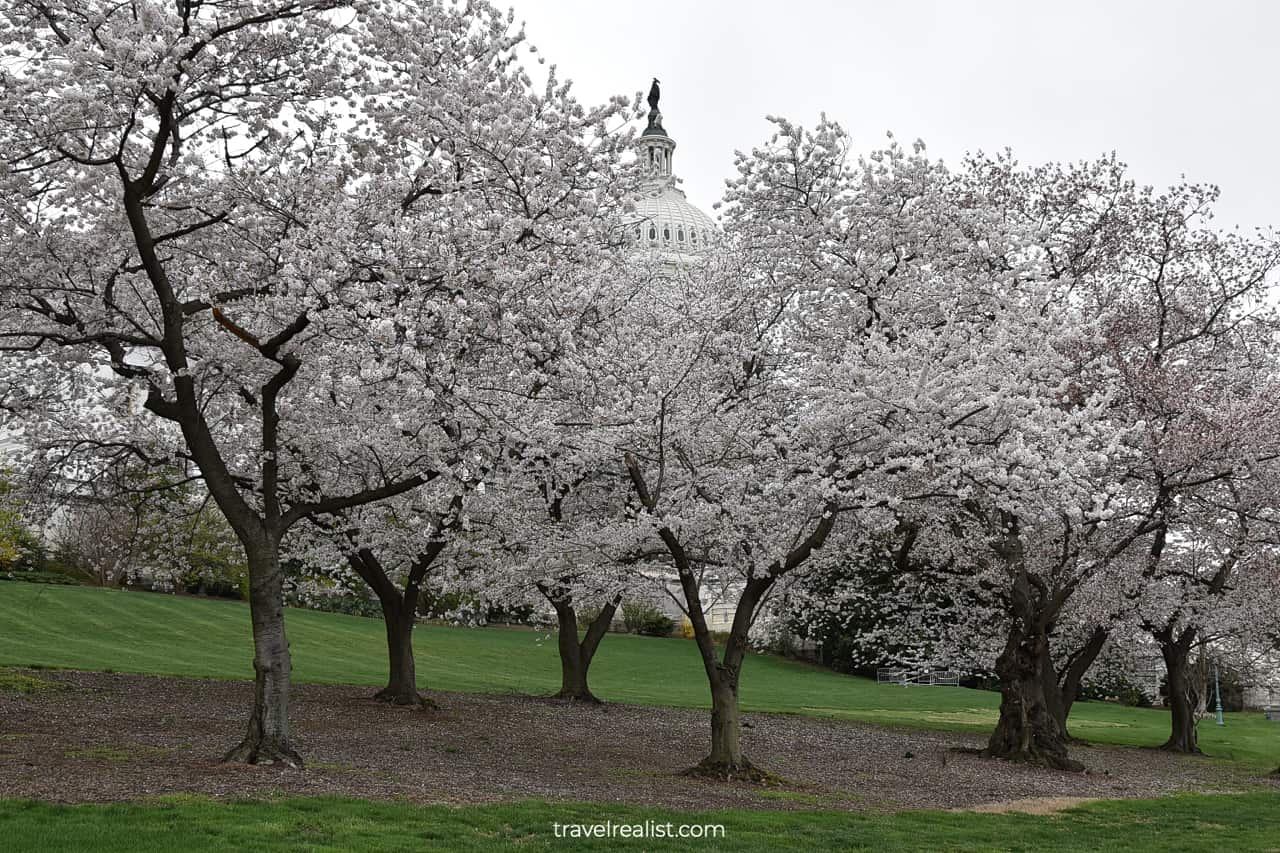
1237, 822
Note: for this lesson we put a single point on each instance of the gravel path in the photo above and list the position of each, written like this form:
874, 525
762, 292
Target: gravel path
113, 737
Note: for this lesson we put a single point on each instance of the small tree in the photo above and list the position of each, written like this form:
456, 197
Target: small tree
543, 524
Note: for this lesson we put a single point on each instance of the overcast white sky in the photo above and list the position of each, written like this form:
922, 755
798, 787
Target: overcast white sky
1173, 87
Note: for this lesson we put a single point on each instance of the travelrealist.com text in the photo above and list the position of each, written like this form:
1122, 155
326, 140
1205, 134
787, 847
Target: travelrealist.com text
646, 829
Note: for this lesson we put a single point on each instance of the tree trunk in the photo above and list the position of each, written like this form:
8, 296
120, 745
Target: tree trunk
1077, 667
399, 613
267, 741
726, 756
1027, 730
1061, 688
576, 655
726, 760
573, 669
402, 677
1055, 697
1183, 696
1200, 682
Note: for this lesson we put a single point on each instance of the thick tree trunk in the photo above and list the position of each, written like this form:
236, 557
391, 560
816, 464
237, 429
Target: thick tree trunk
267, 741
1183, 696
402, 677
1027, 729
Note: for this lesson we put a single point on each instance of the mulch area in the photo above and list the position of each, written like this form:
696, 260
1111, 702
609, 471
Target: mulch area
110, 737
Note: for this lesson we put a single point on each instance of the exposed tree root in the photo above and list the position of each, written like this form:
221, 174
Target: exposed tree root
1036, 758
407, 699
262, 750
743, 771
1173, 745
585, 697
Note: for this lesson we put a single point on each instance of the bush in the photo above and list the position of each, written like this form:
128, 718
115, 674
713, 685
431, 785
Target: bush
647, 620
32, 563
40, 577
1114, 687
335, 601
520, 614
588, 615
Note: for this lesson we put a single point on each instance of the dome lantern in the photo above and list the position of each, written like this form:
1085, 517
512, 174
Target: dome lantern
665, 220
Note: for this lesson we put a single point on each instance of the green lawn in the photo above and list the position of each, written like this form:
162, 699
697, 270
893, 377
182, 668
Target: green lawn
1236, 822
95, 629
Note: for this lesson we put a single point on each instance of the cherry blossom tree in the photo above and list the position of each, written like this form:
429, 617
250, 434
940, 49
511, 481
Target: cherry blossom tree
552, 492
244, 213
1179, 325
1212, 582
865, 341
396, 549
547, 524
563, 180
1188, 326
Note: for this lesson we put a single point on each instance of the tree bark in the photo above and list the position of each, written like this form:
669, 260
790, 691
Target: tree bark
1055, 696
573, 670
402, 678
726, 729
576, 655
1062, 688
1183, 696
1027, 730
267, 740
1070, 679
399, 614
726, 759
1199, 670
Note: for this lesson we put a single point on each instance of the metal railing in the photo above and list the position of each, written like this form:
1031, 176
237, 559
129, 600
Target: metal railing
926, 678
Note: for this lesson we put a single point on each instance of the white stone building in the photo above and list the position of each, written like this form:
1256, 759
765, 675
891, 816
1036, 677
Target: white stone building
665, 223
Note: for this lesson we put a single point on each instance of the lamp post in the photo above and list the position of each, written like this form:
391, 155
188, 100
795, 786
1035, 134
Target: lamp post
1217, 693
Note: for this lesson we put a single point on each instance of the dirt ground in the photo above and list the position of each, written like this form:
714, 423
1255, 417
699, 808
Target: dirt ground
108, 737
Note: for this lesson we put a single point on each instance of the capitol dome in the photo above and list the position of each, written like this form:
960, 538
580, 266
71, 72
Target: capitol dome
664, 221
